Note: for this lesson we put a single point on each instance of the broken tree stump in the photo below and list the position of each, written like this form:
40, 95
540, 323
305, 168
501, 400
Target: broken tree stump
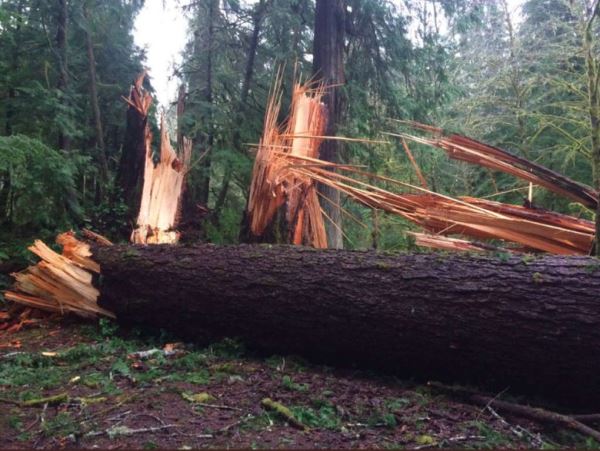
529, 324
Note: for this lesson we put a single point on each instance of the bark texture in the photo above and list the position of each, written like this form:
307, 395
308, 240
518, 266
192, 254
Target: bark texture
533, 326
328, 65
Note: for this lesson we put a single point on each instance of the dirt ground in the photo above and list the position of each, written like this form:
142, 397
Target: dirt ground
213, 397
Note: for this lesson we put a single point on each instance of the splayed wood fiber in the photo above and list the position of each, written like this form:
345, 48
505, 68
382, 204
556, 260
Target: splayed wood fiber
162, 192
273, 183
60, 283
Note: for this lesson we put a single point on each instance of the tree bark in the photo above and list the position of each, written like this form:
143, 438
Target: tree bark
531, 325
130, 175
328, 65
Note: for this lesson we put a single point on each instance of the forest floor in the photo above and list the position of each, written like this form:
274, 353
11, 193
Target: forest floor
212, 397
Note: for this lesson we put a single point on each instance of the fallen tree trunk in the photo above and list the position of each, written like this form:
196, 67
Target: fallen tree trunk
531, 325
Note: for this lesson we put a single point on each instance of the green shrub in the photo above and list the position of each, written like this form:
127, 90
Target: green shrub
37, 188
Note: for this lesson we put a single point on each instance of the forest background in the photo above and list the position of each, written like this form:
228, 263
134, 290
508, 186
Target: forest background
525, 80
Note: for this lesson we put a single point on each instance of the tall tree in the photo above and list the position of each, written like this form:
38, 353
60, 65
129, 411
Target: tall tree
99, 140
62, 12
328, 66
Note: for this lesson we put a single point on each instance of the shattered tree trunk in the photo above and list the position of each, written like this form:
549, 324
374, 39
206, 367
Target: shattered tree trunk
328, 65
533, 326
137, 139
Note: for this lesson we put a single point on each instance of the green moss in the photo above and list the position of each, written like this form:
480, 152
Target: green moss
289, 384
82, 352
324, 417
383, 266
131, 253
191, 361
592, 268
396, 404
528, 258
62, 425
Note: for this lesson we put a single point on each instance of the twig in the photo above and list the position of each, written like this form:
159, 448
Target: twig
110, 409
519, 431
216, 406
11, 354
237, 423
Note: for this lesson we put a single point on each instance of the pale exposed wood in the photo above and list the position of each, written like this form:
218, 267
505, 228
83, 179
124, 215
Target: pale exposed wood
273, 183
60, 283
162, 192
440, 214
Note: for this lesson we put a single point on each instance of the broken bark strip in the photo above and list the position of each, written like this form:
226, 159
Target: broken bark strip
532, 325
469, 150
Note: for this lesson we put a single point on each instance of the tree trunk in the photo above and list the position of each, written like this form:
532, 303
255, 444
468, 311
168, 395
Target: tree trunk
206, 161
15, 61
100, 155
64, 142
328, 65
531, 325
130, 175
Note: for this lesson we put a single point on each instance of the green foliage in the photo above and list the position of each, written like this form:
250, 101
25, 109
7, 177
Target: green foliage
33, 371
324, 417
191, 361
36, 185
466, 65
288, 383
61, 425
108, 328
492, 438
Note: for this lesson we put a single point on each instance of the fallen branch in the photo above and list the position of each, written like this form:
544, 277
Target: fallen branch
60, 398
217, 406
535, 413
285, 413
236, 423
472, 151
51, 400
116, 431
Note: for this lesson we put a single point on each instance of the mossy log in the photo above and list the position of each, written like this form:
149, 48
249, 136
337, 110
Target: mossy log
532, 325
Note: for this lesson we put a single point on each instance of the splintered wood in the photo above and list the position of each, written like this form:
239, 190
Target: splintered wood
287, 169
471, 151
162, 192
59, 283
533, 229
139, 98
274, 182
